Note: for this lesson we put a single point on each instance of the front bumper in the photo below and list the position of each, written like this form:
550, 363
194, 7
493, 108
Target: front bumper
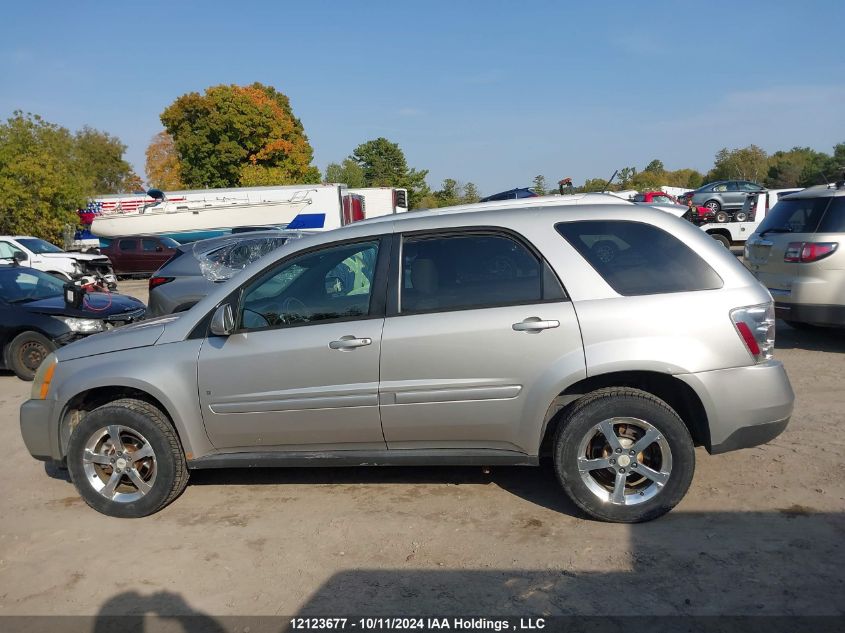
811, 313
38, 431
745, 406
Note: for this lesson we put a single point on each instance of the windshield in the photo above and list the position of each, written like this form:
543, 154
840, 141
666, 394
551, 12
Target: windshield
234, 255
19, 285
39, 246
801, 215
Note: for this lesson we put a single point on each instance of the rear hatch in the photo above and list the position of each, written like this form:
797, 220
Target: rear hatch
791, 221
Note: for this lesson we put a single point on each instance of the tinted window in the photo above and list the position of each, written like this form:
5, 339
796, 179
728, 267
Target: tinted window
127, 245
834, 218
721, 188
150, 245
467, 271
7, 250
750, 186
802, 215
329, 284
21, 285
639, 259
638, 198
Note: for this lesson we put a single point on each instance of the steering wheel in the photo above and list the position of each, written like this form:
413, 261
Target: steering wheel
295, 305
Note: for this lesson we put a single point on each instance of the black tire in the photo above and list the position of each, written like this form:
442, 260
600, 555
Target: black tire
617, 402
25, 353
741, 216
714, 205
138, 417
724, 241
721, 217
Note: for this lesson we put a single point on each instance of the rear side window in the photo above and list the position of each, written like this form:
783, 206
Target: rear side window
834, 218
639, 259
128, 245
460, 272
798, 215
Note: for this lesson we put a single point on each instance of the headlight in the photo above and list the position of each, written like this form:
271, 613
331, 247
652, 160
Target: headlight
43, 377
83, 326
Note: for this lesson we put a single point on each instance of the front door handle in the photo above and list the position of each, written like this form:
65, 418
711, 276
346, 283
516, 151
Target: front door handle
347, 343
535, 324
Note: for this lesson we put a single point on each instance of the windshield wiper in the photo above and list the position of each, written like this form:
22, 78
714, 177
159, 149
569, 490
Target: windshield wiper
777, 229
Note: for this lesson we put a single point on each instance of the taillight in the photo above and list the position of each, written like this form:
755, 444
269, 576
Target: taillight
155, 282
805, 252
756, 327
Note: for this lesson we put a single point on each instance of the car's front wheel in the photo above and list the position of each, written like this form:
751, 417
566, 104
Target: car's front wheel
623, 455
125, 459
26, 352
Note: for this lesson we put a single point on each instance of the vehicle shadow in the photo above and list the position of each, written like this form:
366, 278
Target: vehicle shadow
537, 485
812, 339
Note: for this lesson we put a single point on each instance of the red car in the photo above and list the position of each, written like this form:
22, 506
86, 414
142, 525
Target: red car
140, 254
659, 197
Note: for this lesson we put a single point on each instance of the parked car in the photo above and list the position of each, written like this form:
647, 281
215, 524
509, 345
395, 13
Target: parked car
669, 203
511, 194
43, 255
724, 196
35, 320
140, 254
798, 253
452, 337
195, 269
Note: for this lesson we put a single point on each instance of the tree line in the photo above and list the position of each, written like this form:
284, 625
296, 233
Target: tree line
233, 136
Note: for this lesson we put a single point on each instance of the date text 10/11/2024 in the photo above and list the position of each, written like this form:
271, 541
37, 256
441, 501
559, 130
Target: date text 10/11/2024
418, 624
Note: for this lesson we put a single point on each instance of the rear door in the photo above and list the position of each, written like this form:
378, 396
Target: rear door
475, 320
127, 255
153, 254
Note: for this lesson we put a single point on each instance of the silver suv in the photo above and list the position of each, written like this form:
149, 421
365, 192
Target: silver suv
611, 338
798, 252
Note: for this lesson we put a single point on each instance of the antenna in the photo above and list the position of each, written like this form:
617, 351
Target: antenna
607, 184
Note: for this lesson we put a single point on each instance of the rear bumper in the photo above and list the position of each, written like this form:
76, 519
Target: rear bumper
745, 406
37, 429
811, 313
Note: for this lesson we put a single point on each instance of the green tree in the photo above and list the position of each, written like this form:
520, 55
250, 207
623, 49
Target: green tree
102, 157
42, 177
451, 193
746, 163
384, 165
348, 172
686, 177
239, 135
471, 194
626, 174
655, 166
593, 184
647, 180
539, 186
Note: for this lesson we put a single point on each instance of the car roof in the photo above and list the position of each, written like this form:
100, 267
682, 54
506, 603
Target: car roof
818, 191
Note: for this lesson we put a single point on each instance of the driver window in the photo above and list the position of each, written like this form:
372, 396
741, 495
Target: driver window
326, 285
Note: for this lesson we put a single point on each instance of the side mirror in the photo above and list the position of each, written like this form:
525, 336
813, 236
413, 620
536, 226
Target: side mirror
222, 323
19, 256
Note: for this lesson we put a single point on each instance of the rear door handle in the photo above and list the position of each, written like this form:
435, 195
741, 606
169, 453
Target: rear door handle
348, 343
535, 324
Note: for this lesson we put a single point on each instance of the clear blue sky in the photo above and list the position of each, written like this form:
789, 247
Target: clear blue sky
483, 91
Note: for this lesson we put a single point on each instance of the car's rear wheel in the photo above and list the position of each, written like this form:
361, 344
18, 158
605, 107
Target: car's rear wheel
26, 352
125, 459
623, 455
721, 217
713, 205
724, 241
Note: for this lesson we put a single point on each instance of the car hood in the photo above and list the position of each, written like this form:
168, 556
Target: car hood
141, 334
96, 306
81, 257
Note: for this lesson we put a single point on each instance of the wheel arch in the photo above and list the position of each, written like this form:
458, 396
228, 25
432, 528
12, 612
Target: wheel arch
676, 393
78, 406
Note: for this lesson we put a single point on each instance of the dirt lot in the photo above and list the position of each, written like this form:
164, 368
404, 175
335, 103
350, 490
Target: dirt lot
760, 532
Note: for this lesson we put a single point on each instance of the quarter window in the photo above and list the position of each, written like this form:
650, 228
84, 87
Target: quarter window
461, 272
639, 259
331, 284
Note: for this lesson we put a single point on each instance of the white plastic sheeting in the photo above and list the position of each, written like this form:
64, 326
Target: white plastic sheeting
222, 258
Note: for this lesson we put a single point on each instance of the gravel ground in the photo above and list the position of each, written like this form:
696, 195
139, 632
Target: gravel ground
760, 532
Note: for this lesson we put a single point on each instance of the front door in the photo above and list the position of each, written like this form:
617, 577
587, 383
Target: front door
301, 372
481, 329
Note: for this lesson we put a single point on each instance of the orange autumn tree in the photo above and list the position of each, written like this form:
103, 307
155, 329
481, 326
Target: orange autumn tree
164, 171
239, 135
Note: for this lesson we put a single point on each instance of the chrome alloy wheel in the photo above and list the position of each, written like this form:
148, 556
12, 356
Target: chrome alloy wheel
119, 463
624, 461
